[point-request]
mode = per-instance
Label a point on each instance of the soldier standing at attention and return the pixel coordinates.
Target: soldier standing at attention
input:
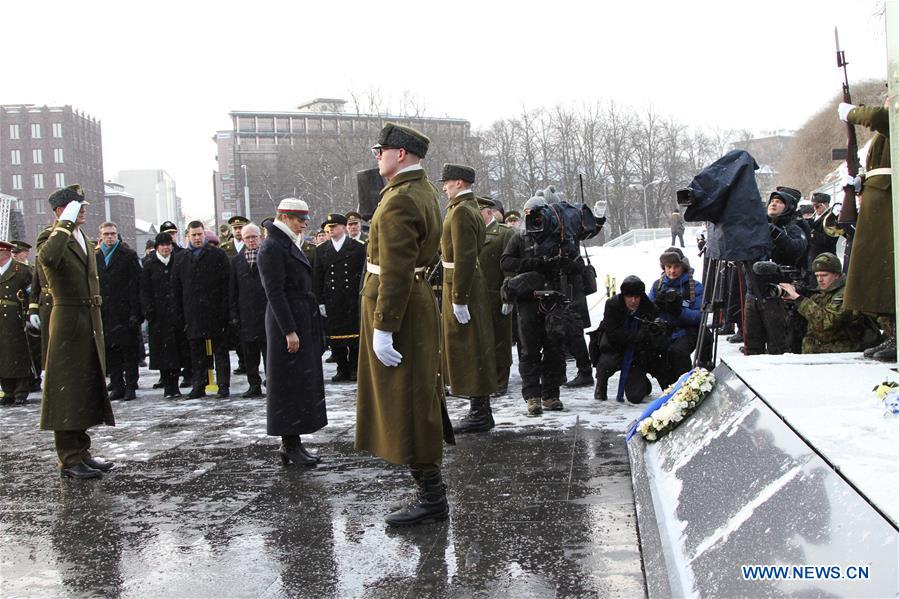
(469, 354)
(16, 373)
(400, 410)
(233, 245)
(354, 227)
(75, 396)
(497, 237)
(339, 263)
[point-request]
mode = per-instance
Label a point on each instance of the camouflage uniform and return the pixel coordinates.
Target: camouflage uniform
(831, 327)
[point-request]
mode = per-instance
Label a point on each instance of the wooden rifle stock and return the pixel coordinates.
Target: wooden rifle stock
(849, 209)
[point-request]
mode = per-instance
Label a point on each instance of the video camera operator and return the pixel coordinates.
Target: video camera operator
(765, 316)
(630, 338)
(678, 297)
(541, 361)
(832, 328)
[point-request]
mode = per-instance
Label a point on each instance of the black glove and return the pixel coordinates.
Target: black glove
(134, 321)
(775, 231)
(674, 308)
(528, 264)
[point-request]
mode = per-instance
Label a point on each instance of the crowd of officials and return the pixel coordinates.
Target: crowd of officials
(421, 306)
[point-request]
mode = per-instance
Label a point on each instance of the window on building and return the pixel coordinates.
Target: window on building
(60, 179)
(14, 132)
(17, 181)
(38, 181)
(37, 156)
(57, 155)
(15, 157)
(40, 206)
(265, 124)
(35, 130)
(57, 130)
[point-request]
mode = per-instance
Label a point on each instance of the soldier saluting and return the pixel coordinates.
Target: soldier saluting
(75, 397)
(400, 410)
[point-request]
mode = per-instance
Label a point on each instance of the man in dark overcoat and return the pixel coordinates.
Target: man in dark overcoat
(400, 407)
(468, 349)
(39, 307)
(74, 397)
(295, 386)
(339, 263)
(168, 343)
(119, 270)
(16, 370)
(200, 286)
(820, 241)
(248, 306)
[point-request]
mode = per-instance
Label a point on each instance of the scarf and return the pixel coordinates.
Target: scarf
(108, 251)
(164, 260)
(250, 256)
(630, 325)
(196, 251)
(297, 240)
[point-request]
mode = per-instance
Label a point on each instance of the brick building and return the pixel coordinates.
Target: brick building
(43, 148)
(314, 154)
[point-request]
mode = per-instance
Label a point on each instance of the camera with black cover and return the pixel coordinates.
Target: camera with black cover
(772, 274)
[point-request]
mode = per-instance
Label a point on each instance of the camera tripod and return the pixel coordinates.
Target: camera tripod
(715, 300)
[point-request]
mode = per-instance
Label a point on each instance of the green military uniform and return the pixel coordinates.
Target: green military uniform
(832, 327)
(870, 280)
(497, 236)
(309, 249)
(16, 373)
(41, 302)
(400, 411)
(469, 356)
(74, 397)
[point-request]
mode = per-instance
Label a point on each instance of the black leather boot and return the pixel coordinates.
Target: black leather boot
(601, 391)
(80, 470)
(116, 394)
(479, 418)
(253, 391)
(99, 464)
(292, 450)
(584, 378)
(431, 505)
(411, 498)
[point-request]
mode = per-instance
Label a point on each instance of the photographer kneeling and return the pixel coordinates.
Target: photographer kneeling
(678, 297)
(628, 339)
(831, 327)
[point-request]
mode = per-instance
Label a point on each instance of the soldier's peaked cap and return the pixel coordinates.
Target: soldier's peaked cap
(827, 262)
(61, 197)
(353, 217)
(399, 136)
(451, 172)
(486, 202)
(167, 226)
(21, 246)
(238, 220)
(334, 218)
(513, 215)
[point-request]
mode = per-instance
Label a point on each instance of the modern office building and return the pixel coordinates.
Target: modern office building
(155, 196)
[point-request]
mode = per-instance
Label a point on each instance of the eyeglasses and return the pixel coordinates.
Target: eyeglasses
(376, 151)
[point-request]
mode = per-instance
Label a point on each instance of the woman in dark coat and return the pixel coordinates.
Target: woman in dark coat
(168, 343)
(294, 335)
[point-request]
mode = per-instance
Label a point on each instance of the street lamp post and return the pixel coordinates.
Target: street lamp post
(644, 187)
(246, 191)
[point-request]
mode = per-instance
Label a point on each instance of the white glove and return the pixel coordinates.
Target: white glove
(461, 313)
(843, 110)
(506, 309)
(35, 321)
(322, 310)
(855, 182)
(382, 344)
(70, 212)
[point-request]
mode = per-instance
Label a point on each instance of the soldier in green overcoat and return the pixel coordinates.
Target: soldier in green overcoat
(234, 243)
(832, 327)
(870, 284)
(400, 408)
(16, 371)
(497, 236)
(74, 397)
(469, 360)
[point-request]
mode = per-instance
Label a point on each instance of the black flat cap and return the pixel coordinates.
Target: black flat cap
(398, 136)
(451, 172)
(61, 197)
(334, 218)
(163, 239)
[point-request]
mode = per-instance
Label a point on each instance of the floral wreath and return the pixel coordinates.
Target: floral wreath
(677, 402)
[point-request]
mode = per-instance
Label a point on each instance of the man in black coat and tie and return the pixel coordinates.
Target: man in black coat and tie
(200, 286)
(119, 270)
(339, 263)
(248, 306)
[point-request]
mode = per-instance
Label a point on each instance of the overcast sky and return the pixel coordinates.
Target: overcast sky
(162, 76)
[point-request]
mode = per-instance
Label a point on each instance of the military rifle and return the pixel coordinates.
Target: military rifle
(849, 210)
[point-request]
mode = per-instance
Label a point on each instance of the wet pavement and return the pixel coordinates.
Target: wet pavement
(200, 506)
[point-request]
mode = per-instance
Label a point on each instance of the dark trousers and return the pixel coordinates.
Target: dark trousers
(346, 354)
(578, 348)
(72, 447)
(676, 360)
(636, 387)
(541, 361)
(17, 388)
(251, 351)
(765, 325)
(122, 364)
(201, 362)
(677, 235)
